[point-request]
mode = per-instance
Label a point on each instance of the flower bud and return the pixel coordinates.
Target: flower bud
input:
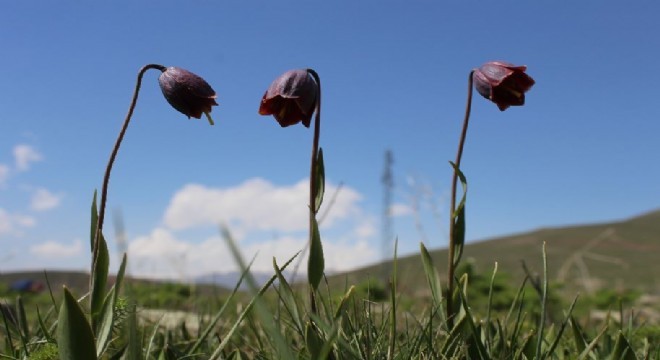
(291, 98)
(187, 92)
(502, 83)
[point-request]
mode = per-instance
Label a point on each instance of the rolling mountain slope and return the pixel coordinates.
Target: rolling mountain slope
(623, 254)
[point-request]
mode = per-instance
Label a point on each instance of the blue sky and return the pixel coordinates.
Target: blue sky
(394, 75)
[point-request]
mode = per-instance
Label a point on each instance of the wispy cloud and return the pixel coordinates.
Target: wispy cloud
(50, 249)
(25, 155)
(4, 174)
(162, 255)
(13, 223)
(400, 210)
(42, 200)
(255, 204)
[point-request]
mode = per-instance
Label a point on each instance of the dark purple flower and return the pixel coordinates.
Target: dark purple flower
(291, 98)
(502, 83)
(187, 92)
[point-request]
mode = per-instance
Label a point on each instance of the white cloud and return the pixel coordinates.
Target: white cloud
(256, 204)
(53, 249)
(43, 199)
(4, 173)
(162, 255)
(264, 218)
(12, 223)
(24, 155)
(365, 229)
(400, 210)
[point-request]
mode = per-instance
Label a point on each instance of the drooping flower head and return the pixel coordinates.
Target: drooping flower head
(291, 98)
(502, 83)
(187, 92)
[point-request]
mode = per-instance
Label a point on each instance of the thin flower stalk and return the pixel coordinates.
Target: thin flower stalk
(452, 205)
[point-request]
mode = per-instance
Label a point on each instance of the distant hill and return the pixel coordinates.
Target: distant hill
(230, 279)
(79, 281)
(622, 254)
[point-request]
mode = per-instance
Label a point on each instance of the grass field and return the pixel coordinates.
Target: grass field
(618, 283)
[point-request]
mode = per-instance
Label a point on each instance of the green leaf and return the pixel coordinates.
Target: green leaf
(316, 264)
(95, 218)
(319, 187)
(459, 234)
(313, 340)
(75, 340)
(134, 348)
(99, 282)
(459, 218)
(107, 316)
(622, 349)
(432, 276)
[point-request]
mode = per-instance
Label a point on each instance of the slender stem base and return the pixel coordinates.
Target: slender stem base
(313, 174)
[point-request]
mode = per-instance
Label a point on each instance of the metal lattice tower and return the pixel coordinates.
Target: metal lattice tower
(387, 233)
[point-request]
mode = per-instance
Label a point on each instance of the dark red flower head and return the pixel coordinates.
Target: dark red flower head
(187, 92)
(502, 83)
(291, 98)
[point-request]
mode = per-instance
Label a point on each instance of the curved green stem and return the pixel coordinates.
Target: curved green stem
(459, 154)
(113, 155)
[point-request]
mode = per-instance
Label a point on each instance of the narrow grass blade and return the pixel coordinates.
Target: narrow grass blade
(578, 336)
(476, 348)
(42, 326)
(277, 337)
(342, 308)
(544, 303)
(561, 329)
(288, 298)
(147, 354)
(23, 325)
(453, 340)
(75, 340)
(583, 355)
(393, 305)
(211, 326)
(490, 303)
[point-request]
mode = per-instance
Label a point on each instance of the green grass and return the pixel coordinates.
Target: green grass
(503, 314)
(617, 255)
